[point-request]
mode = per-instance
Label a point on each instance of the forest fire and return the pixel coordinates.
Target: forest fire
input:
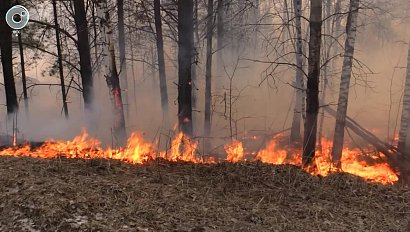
(372, 167)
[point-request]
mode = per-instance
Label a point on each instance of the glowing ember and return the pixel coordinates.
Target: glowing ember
(372, 167)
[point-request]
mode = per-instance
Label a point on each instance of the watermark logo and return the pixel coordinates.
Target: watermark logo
(17, 17)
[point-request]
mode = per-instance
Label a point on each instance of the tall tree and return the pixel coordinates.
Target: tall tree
(195, 42)
(84, 51)
(312, 91)
(23, 73)
(220, 42)
(7, 59)
(405, 116)
(60, 59)
(185, 47)
(351, 29)
(161, 62)
(325, 74)
(110, 71)
(295, 133)
(123, 61)
(208, 68)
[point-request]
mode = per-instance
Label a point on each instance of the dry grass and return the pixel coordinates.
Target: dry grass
(101, 195)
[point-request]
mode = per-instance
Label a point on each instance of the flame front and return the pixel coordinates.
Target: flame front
(370, 166)
(373, 168)
(234, 151)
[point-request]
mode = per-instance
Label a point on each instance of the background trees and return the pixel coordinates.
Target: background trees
(146, 52)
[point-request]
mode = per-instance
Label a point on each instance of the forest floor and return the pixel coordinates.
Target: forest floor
(102, 195)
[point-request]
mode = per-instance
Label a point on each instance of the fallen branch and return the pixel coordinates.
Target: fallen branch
(398, 161)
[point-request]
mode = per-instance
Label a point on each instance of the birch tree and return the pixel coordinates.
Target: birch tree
(351, 29)
(295, 135)
(110, 70)
(185, 47)
(312, 91)
(220, 30)
(208, 68)
(123, 62)
(405, 116)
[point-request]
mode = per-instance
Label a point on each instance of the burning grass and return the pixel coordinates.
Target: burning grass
(106, 195)
(372, 166)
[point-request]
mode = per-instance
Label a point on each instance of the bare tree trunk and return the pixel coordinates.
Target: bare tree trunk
(285, 21)
(208, 71)
(312, 94)
(338, 9)
(123, 61)
(60, 60)
(23, 74)
(161, 62)
(6, 59)
(96, 47)
(295, 134)
(351, 28)
(185, 47)
(220, 42)
(195, 41)
(111, 74)
(327, 52)
(255, 19)
(405, 116)
(84, 52)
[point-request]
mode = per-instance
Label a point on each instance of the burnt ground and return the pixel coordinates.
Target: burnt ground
(101, 195)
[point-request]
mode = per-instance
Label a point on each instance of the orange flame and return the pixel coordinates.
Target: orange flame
(371, 166)
(374, 168)
(234, 151)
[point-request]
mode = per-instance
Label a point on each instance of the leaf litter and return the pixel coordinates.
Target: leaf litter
(104, 195)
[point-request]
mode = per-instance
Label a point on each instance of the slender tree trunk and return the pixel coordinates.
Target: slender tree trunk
(285, 19)
(351, 28)
(84, 52)
(208, 67)
(6, 59)
(161, 62)
(152, 66)
(312, 94)
(123, 61)
(23, 74)
(338, 10)
(111, 73)
(220, 42)
(195, 40)
(405, 116)
(255, 19)
(185, 47)
(325, 83)
(295, 133)
(60, 60)
(96, 45)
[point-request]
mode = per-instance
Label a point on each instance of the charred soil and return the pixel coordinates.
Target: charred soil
(103, 195)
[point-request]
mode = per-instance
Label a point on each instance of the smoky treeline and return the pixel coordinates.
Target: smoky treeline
(216, 70)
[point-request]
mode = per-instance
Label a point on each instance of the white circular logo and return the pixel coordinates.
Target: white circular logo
(17, 17)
